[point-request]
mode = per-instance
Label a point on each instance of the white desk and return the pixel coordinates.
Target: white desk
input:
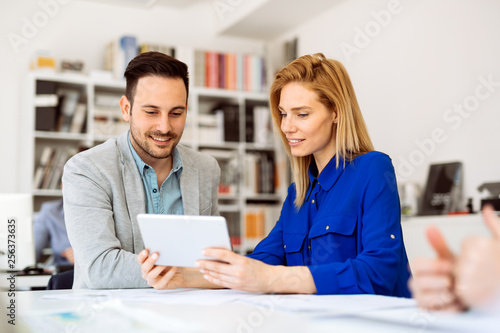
(191, 310)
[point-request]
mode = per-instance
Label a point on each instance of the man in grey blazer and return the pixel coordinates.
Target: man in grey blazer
(142, 171)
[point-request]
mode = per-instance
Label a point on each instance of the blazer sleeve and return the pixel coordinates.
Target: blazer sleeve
(100, 260)
(215, 176)
(380, 266)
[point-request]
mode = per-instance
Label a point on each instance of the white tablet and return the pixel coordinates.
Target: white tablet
(179, 239)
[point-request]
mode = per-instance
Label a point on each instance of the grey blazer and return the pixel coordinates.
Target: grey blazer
(103, 193)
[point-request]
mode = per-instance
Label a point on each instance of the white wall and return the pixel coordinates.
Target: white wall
(418, 63)
(80, 30)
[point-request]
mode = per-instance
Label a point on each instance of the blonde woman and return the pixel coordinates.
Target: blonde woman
(339, 231)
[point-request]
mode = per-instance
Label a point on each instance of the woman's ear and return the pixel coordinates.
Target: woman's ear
(335, 115)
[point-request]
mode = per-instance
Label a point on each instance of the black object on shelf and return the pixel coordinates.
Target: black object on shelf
(493, 198)
(46, 119)
(231, 121)
(443, 190)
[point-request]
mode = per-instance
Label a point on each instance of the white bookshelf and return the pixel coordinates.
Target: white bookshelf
(201, 101)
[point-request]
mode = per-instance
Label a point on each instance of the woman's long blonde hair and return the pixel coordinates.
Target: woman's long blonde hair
(329, 80)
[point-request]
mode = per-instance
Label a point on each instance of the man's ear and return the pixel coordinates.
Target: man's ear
(125, 107)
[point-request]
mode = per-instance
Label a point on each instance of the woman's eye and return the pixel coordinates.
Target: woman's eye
(303, 115)
(282, 115)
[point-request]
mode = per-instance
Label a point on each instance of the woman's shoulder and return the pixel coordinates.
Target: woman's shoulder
(372, 156)
(374, 160)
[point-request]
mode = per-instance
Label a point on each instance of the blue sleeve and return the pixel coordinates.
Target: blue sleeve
(41, 233)
(380, 266)
(270, 249)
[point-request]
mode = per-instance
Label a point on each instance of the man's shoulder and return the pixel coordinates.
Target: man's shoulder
(104, 153)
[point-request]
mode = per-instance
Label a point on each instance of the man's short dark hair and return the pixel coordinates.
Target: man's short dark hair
(154, 64)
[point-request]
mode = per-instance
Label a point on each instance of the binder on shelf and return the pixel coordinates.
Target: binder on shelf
(46, 119)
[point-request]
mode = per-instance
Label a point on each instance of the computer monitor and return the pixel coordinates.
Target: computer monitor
(17, 249)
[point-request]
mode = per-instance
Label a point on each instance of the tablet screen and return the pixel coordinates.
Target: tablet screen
(179, 239)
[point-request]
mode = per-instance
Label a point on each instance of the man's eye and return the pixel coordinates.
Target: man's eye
(150, 112)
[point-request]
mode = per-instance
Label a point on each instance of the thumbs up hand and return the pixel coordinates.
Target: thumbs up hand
(477, 267)
(432, 283)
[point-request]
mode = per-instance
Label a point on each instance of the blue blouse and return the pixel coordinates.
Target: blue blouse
(348, 231)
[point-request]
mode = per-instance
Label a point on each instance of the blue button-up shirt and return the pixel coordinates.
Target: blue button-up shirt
(168, 198)
(348, 231)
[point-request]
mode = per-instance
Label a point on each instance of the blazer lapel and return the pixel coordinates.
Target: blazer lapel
(134, 191)
(189, 186)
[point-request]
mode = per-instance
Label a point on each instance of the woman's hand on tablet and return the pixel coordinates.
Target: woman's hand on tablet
(236, 271)
(239, 272)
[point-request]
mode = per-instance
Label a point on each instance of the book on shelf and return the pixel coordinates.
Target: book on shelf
(259, 176)
(118, 54)
(229, 71)
(69, 99)
(43, 164)
(259, 220)
(50, 168)
(228, 122)
(209, 129)
(148, 47)
(233, 227)
(108, 119)
(259, 127)
(78, 121)
(229, 166)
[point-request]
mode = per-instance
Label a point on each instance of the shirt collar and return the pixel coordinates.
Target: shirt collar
(176, 159)
(330, 173)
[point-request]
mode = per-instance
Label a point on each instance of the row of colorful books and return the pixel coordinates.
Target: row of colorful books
(259, 220)
(231, 71)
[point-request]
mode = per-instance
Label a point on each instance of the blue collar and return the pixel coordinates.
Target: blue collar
(330, 173)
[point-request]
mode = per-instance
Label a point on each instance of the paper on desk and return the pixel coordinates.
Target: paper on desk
(329, 304)
(111, 316)
(436, 321)
(177, 296)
